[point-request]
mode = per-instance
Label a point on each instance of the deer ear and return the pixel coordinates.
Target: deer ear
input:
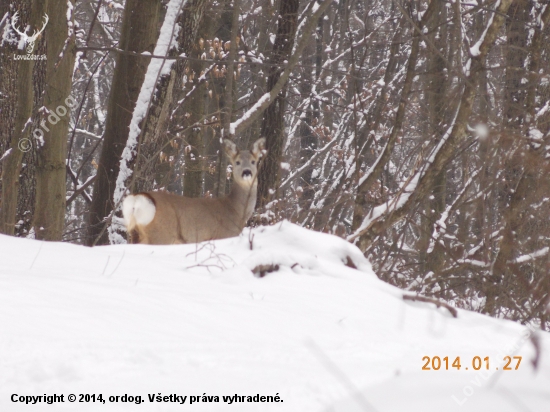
(258, 148)
(230, 148)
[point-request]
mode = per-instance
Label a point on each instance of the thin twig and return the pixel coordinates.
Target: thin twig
(437, 302)
(37, 253)
(118, 264)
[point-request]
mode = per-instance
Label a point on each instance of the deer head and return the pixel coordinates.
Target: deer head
(245, 163)
(25, 38)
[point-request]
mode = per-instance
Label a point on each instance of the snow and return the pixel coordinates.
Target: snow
(86, 182)
(188, 320)
(6, 154)
(474, 50)
(89, 134)
(315, 7)
(70, 29)
(536, 134)
(473, 262)
(103, 17)
(531, 256)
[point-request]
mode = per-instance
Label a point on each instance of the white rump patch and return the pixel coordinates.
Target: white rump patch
(139, 209)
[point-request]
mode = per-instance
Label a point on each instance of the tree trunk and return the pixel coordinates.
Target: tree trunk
(15, 110)
(273, 121)
(138, 34)
(435, 89)
(26, 203)
(49, 216)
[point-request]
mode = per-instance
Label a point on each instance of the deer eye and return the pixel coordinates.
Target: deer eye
(238, 162)
(253, 162)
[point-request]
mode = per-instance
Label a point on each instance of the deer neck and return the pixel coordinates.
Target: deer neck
(243, 199)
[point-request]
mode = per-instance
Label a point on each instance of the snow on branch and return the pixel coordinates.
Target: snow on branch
(474, 50)
(531, 256)
(440, 226)
(420, 184)
(70, 32)
(156, 68)
(5, 155)
(251, 115)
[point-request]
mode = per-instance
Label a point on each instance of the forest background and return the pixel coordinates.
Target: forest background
(418, 130)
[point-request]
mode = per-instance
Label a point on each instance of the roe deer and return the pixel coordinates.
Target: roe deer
(161, 218)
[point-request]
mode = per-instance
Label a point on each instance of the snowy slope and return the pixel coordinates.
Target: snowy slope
(189, 320)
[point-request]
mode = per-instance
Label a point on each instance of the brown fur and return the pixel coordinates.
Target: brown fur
(181, 219)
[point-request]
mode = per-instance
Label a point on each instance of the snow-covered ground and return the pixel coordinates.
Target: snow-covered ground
(189, 320)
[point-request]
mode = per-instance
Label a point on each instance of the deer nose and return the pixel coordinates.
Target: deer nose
(247, 174)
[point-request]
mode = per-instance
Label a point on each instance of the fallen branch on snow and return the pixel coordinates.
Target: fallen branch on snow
(438, 303)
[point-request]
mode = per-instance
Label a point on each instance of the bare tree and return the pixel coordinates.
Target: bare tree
(16, 105)
(138, 35)
(273, 119)
(49, 214)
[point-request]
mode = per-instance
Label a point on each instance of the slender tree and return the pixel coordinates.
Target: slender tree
(15, 107)
(49, 216)
(138, 35)
(273, 120)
